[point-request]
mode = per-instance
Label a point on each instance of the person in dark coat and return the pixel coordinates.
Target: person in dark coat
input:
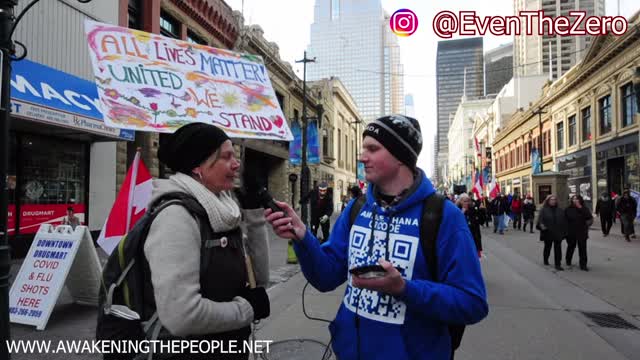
(627, 207)
(321, 204)
(484, 212)
(553, 226)
(499, 208)
(474, 219)
(528, 213)
(579, 219)
(607, 211)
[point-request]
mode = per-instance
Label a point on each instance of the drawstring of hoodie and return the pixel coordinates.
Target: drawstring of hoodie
(387, 242)
(387, 233)
(386, 257)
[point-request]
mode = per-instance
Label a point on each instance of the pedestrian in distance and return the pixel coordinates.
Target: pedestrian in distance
(216, 305)
(344, 200)
(402, 312)
(474, 218)
(516, 211)
(500, 207)
(528, 213)
(552, 224)
(71, 219)
(488, 214)
(606, 209)
(354, 192)
(627, 207)
(579, 219)
(321, 204)
(482, 208)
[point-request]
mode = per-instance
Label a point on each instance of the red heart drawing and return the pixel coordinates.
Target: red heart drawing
(278, 121)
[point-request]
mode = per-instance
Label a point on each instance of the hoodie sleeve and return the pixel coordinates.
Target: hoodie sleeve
(460, 297)
(325, 266)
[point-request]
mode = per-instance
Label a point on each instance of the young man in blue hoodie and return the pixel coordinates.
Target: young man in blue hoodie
(402, 315)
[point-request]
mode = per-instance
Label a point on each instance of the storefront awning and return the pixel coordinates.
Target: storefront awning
(46, 95)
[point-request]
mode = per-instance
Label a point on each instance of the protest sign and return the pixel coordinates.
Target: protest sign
(153, 83)
(51, 262)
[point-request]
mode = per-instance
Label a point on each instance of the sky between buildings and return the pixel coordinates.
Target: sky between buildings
(287, 23)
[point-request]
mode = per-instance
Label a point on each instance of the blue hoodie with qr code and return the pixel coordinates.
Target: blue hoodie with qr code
(414, 324)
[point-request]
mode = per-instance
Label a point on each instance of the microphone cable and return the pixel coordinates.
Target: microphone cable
(327, 351)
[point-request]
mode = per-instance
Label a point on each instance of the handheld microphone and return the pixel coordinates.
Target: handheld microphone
(266, 200)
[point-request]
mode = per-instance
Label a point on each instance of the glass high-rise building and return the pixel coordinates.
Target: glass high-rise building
(531, 52)
(459, 71)
(498, 68)
(351, 39)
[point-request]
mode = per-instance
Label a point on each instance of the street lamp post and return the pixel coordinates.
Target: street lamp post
(539, 112)
(8, 24)
(357, 122)
(304, 171)
(7, 48)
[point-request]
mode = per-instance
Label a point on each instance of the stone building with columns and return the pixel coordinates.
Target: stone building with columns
(589, 119)
(340, 137)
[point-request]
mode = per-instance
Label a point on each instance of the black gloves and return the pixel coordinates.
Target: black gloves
(248, 194)
(259, 301)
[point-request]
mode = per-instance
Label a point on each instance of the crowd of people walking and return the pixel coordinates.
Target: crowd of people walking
(554, 223)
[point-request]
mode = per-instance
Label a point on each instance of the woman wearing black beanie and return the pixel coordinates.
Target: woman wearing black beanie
(197, 263)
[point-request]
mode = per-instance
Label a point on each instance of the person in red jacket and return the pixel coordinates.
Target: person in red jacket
(516, 210)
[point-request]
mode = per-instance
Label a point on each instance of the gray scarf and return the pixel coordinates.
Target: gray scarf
(222, 210)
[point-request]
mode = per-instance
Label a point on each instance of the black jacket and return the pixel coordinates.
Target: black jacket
(553, 223)
(474, 218)
(605, 207)
(319, 208)
(627, 206)
(499, 206)
(578, 222)
(528, 210)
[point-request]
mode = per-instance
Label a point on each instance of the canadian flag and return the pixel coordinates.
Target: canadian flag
(478, 151)
(130, 205)
(477, 187)
(494, 189)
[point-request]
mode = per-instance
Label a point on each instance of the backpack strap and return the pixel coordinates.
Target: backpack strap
(429, 229)
(187, 201)
(355, 209)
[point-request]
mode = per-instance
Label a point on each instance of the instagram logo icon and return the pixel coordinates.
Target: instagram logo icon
(403, 22)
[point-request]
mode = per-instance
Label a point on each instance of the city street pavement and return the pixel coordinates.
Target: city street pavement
(535, 312)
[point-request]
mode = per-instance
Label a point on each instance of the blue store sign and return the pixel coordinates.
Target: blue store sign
(44, 94)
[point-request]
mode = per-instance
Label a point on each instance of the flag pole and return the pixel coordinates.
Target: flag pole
(132, 186)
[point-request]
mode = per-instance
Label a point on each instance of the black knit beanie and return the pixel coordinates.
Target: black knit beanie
(190, 145)
(400, 135)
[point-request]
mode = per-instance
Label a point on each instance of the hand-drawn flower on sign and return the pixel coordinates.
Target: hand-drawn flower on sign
(230, 99)
(191, 112)
(112, 93)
